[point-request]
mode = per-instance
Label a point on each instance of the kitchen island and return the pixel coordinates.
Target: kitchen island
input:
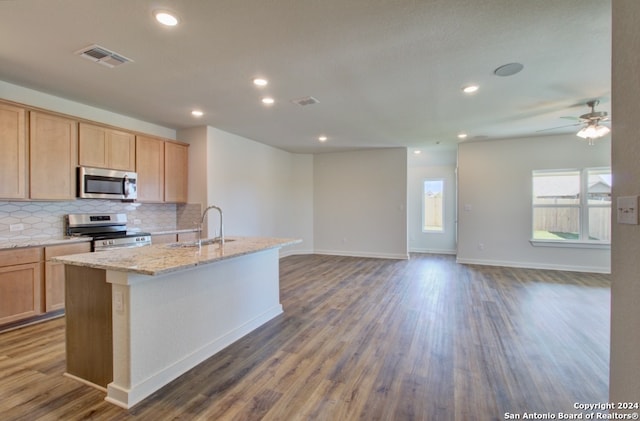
(139, 318)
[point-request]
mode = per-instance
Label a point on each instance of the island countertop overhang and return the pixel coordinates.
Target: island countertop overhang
(165, 258)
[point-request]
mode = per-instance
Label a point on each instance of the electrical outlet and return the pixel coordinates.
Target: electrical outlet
(16, 227)
(118, 301)
(137, 222)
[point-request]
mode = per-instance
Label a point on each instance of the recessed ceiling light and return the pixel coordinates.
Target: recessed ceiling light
(417, 152)
(322, 138)
(260, 81)
(197, 113)
(462, 135)
(166, 18)
(469, 89)
(268, 100)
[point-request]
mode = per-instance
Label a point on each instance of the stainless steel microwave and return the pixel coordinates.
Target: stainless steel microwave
(99, 183)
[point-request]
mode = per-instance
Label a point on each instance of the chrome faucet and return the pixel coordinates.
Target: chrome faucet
(204, 214)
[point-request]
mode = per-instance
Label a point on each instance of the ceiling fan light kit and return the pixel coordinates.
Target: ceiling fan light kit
(593, 130)
(590, 122)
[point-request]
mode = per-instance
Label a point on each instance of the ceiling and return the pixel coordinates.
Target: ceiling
(386, 73)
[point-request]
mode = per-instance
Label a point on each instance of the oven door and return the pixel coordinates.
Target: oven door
(98, 183)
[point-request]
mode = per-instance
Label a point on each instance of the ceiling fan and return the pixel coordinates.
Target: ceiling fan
(592, 129)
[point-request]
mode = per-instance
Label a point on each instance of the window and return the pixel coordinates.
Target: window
(572, 205)
(433, 205)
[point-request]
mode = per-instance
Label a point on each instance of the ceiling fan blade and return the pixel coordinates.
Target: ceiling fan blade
(571, 118)
(559, 127)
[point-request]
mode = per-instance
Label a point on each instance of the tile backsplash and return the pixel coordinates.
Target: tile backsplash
(43, 220)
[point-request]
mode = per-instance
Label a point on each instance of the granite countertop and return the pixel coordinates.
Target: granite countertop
(12, 243)
(35, 242)
(164, 258)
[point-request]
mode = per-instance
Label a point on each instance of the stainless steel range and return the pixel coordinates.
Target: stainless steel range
(109, 231)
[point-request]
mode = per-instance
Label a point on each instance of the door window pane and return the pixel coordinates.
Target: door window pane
(433, 206)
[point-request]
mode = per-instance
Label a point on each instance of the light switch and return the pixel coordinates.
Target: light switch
(627, 207)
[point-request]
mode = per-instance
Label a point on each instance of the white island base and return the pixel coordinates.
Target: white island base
(164, 325)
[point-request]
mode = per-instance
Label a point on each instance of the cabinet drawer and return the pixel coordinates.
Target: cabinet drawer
(20, 256)
(65, 249)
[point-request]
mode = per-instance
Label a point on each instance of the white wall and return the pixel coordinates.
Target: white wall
(625, 284)
(494, 201)
(432, 164)
(262, 190)
(360, 203)
(37, 99)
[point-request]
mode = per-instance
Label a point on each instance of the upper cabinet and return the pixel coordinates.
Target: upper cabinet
(106, 148)
(176, 157)
(162, 170)
(40, 152)
(13, 159)
(53, 146)
(150, 169)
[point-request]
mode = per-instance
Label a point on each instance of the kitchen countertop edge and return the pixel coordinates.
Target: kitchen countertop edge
(172, 231)
(9, 244)
(165, 258)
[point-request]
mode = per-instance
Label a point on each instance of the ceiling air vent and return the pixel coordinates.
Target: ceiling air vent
(307, 100)
(103, 56)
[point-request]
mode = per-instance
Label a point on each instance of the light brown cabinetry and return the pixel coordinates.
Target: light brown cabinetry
(150, 169)
(54, 273)
(13, 159)
(176, 157)
(20, 284)
(53, 145)
(89, 343)
(103, 147)
(41, 151)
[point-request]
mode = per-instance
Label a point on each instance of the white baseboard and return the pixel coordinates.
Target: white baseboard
(284, 252)
(503, 263)
(363, 254)
(432, 251)
(529, 265)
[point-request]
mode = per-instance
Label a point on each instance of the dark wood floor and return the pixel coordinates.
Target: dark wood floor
(370, 339)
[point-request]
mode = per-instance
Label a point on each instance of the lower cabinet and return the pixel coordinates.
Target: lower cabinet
(30, 284)
(54, 273)
(20, 284)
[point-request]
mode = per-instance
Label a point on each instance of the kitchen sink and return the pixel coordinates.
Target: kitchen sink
(205, 242)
